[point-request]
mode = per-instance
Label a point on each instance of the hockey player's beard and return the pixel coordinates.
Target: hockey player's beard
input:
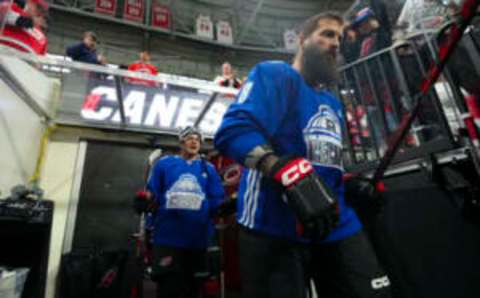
(319, 66)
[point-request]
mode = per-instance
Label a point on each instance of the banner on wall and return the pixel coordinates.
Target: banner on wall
(134, 10)
(106, 6)
(224, 32)
(160, 109)
(161, 16)
(290, 38)
(204, 27)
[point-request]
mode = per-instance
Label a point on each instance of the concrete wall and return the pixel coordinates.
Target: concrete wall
(59, 175)
(20, 132)
(26, 98)
(61, 179)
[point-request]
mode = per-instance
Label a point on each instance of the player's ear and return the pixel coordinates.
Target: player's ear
(301, 40)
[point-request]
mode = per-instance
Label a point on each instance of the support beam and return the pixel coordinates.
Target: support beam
(251, 20)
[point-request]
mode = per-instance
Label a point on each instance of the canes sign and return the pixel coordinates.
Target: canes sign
(155, 108)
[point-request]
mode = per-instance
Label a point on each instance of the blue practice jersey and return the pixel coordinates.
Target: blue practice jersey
(277, 107)
(187, 192)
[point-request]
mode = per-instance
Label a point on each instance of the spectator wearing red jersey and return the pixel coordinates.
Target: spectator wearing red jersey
(24, 26)
(228, 79)
(143, 65)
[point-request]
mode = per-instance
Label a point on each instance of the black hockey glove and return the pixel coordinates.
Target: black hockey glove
(312, 201)
(24, 22)
(227, 207)
(141, 202)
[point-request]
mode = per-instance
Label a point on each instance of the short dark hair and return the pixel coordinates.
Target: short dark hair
(91, 34)
(311, 24)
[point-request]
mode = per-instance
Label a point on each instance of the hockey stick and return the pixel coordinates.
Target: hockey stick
(467, 13)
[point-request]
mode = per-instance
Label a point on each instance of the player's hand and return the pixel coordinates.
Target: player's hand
(102, 59)
(361, 191)
(313, 202)
(24, 22)
(141, 202)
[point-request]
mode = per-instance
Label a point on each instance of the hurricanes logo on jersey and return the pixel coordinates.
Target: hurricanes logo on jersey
(323, 138)
(186, 193)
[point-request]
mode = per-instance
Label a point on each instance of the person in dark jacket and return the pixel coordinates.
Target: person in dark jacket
(85, 51)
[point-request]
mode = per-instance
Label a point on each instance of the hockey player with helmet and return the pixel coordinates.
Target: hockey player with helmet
(188, 192)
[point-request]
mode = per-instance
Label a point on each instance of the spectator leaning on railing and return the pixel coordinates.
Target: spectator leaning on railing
(143, 65)
(86, 51)
(24, 25)
(374, 35)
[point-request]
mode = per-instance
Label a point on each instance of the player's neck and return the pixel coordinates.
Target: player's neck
(297, 63)
(188, 156)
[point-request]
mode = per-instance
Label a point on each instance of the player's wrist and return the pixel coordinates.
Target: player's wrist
(266, 164)
(257, 156)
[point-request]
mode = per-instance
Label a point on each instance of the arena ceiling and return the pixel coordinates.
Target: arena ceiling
(258, 25)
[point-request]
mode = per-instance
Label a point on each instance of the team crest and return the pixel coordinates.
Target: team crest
(185, 193)
(323, 138)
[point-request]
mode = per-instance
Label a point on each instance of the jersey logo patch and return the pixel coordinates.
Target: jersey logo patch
(245, 92)
(323, 138)
(186, 194)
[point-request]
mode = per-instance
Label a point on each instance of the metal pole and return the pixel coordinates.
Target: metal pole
(472, 51)
(357, 122)
(401, 80)
(369, 120)
(345, 128)
(432, 94)
(119, 91)
(379, 104)
(389, 88)
(205, 109)
(148, 12)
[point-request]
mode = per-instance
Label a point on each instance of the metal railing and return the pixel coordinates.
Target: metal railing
(377, 92)
(380, 89)
(104, 97)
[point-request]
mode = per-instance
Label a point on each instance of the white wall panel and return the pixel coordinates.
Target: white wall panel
(60, 171)
(20, 132)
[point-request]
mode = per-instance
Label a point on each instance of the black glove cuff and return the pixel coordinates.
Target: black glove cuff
(282, 162)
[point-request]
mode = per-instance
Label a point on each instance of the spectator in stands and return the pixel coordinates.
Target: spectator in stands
(453, 9)
(143, 65)
(24, 24)
(374, 36)
(86, 51)
(350, 46)
(228, 79)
